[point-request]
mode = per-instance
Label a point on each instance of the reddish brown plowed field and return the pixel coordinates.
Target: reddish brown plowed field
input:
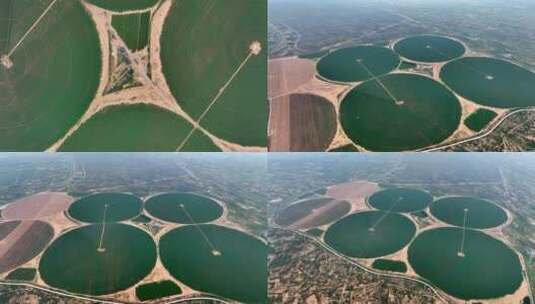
(7, 227)
(24, 243)
(301, 122)
(38, 205)
(287, 74)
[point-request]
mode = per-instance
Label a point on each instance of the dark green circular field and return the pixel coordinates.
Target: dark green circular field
(74, 263)
(182, 207)
(204, 42)
(480, 213)
(357, 63)
(490, 82)
(370, 234)
(111, 207)
(136, 128)
(400, 200)
(489, 268)
(428, 48)
(228, 263)
(399, 112)
(54, 77)
(304, 214)
(123, 5)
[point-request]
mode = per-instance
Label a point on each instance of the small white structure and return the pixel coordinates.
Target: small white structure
(6, 61)
(255, 47)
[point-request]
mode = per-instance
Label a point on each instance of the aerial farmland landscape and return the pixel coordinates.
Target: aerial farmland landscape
(401, 228)
(141, 75)
(99, 229)
(409, 75)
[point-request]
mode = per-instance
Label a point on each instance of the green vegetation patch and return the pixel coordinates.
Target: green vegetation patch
(311, 213)
(22, 274)
(226, 262)
(157, 290)
(370, 234)
(123, 5)
(74, 263)
(405, 65)
(390, 265)
(428, 48)
(204, 42)
(479, 119)
(490, 82)
(357, 63)
(478, 213)
(489, 269)
(54, 77)
(136, 128)
(184, 208)
(399, 112)
(400, 200)
(109, 207)
(133, 29)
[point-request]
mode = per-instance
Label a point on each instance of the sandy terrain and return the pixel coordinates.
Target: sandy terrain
(354, 192)
(38, 206)
(285, 75)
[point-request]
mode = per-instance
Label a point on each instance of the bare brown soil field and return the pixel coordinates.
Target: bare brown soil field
(37, 206)
(24, 243)
(301, 122)
(352, 191)
(286, 75)
(326, 214)
(6, 228)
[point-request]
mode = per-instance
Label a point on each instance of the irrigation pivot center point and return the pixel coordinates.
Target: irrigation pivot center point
(6, 61)
(216, 252)
(255, 47)
(489, 77)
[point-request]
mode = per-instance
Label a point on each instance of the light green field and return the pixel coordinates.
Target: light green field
(136, 128)
(44, 93)
(202, 44)
(133, 29)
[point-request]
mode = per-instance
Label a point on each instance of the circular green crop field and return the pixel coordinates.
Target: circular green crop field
(203, 44)
(370, 234)
(111, 207)
(399, 112)
(489, 268)
(74, 262)
(357, 63)
(182, 207)
(400, 200)
(428, 48)
(303, 214)
(136, 128)
(54, 77)
(480, 213)
(490, 82)
(123, 5)
(224, 261)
